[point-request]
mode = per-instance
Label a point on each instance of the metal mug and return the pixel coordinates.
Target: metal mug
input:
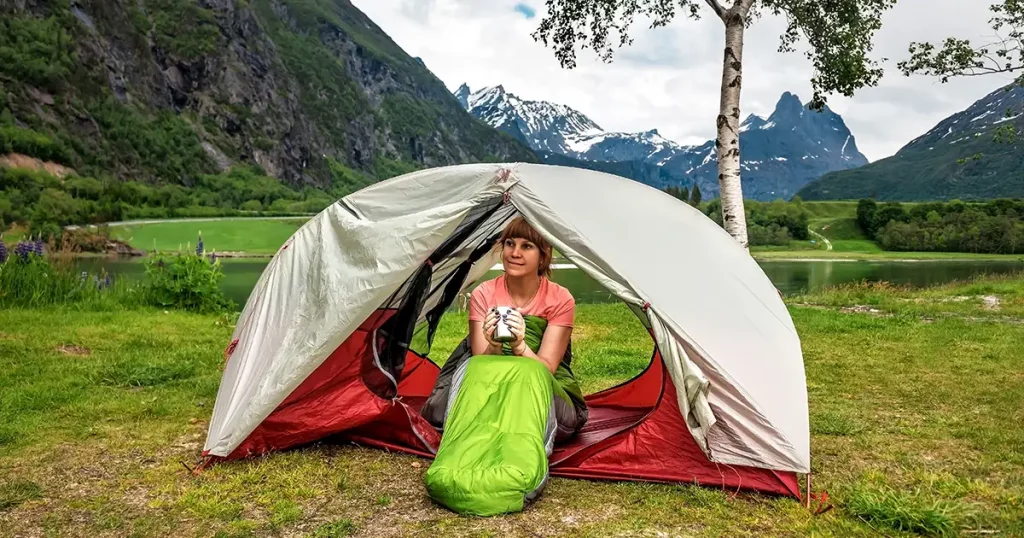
(502, 332)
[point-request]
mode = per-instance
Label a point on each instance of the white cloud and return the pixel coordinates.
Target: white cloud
(669, 77)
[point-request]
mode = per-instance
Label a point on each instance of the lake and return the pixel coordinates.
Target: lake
(790, 277)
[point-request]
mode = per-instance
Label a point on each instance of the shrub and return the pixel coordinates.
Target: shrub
(185, 281)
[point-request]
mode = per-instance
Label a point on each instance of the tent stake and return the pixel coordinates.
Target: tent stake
(808, 499)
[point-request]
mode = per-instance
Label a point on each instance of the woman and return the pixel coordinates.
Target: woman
(541, 323)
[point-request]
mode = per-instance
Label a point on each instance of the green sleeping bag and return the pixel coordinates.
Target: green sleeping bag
(499, 431)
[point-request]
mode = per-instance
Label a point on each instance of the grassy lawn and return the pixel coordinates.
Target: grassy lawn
(254, 236)
(916, 404)
(834, 220)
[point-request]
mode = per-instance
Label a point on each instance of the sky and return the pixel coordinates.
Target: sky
(669, 78)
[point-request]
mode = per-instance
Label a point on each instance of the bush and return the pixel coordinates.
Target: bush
(185, 281)
(38, 51)
(14, 139)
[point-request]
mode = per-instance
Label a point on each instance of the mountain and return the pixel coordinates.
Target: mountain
(167, 90)
(928, 167)
(780, 154)
(552, 128)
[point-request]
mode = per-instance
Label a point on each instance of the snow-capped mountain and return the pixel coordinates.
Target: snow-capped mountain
(997, 108)
(553, 128)
(781, 153)
(941, 164)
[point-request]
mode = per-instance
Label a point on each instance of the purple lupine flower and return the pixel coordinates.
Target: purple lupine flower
(37, 247)
(23, 249)
(213, 257)
(106, 281)
(3, 252)
(199, 245)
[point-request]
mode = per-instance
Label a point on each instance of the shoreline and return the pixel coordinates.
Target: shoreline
(562, 263)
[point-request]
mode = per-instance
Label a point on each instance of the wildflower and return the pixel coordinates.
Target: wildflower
(23, 249)
(213, 257)
(199, 245)
(37, 247)
(3, 252)
(85, 276)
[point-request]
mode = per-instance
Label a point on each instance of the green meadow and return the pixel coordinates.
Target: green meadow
(249, 235)
(916, 401)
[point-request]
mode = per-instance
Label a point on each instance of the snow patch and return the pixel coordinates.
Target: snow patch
(1008, 118)
(982, 116)
(583, 144)
(768, 125)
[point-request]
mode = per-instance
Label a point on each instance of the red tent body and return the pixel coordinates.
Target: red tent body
(635, 430)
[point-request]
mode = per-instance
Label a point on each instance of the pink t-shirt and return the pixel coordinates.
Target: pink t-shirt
(552, 302)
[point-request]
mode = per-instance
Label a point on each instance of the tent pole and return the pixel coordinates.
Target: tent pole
(808, 496)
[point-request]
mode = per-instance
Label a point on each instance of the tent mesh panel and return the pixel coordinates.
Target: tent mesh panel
(422, 299)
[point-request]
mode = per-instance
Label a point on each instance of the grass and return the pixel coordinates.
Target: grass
(904, 512)
(831, 210)
(252, 236)
(914, 418)
(256, 236)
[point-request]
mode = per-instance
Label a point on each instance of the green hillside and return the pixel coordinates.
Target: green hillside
(164, 91)
(971, 155)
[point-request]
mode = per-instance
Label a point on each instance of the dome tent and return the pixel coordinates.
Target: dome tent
(335, 338)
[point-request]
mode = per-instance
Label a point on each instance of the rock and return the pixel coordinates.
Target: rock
(990, 302)
(41, 97)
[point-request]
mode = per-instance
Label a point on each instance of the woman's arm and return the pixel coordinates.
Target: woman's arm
(552, 347)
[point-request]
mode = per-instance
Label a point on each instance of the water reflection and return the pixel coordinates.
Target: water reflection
(791, 277)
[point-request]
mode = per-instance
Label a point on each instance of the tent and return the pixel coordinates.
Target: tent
(335, 339)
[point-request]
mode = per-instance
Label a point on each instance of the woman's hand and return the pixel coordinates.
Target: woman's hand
(489, 326)
(517, 326)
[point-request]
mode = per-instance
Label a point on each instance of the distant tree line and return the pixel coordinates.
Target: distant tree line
(994, 227)
(46, 203)
(769, 223)
(692, 197)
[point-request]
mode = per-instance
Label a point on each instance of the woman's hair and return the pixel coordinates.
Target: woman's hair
(520, 229)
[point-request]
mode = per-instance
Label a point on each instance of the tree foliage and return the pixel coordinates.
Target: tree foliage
(769, 223)
(994, 227)
(958, 57)
(838, 32)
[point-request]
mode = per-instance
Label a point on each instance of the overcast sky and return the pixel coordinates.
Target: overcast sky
(669, 79)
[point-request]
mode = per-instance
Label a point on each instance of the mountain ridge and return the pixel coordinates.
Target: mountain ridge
(778, 156)
(959, 158)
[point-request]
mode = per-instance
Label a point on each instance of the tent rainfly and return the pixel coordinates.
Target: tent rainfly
(335, 338)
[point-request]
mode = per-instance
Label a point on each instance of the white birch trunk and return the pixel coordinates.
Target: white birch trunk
(728, 141)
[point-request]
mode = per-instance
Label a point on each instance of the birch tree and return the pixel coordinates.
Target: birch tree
(837, 35)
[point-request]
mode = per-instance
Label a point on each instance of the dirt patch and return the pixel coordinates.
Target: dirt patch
(77, 351)
(863, 309)
(990, 302)
(17, 160)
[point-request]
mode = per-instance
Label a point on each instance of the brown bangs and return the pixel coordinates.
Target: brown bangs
(520, 229)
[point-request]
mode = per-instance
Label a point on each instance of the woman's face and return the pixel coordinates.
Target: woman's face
(520, 257)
